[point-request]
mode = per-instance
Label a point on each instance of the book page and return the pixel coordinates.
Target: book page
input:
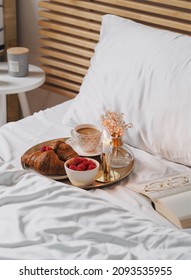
(179, 204)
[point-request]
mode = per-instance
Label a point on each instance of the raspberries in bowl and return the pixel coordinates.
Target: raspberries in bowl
(81, 171)
(81, 164)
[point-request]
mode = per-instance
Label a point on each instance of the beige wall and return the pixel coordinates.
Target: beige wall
(27, 16)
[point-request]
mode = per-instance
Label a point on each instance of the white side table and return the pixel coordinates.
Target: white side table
(19, 85)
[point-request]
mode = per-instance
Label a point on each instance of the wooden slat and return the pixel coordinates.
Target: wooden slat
(59, 90)
(67, 38)
(70, 20)
(65, 75)
(66, 56)
(74, 12)
(63, 83)
(60, 46)
(69, 31)
(63, 65)
(174, 3)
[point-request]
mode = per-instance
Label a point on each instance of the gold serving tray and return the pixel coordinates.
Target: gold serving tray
(123, 172)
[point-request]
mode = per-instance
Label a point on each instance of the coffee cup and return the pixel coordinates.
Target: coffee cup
(87, 136)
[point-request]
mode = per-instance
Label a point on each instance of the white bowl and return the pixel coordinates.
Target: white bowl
(81, 178)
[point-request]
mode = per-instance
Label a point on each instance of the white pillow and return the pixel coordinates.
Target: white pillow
(144, 73)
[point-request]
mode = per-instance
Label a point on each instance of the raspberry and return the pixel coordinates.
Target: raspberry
(73, 167)
(48, 148)
(90, 162)
(91, 166)
(81, 167)
(77, 160)
(85, 164)
(43, 148)
(85, 160)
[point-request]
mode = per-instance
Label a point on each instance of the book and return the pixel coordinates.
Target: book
(171, 197)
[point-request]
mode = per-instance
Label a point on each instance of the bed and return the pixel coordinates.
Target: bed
(143, 72)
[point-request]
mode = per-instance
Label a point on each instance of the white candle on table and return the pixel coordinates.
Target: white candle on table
(105, 157)
(106, 144)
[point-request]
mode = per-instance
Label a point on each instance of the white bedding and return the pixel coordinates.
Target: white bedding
(44, 219)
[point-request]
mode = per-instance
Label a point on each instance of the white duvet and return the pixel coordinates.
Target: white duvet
(44, 219)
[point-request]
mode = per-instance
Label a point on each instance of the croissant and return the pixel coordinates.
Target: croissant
(50, 162)
(63, 150)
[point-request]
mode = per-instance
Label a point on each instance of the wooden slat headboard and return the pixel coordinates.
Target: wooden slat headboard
(69, 31)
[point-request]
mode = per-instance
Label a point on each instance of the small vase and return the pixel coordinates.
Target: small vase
(120, 156)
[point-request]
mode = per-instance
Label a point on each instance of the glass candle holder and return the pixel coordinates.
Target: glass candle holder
(119, 155)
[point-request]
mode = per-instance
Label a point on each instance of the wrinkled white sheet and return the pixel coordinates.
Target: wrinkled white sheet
(44, 219)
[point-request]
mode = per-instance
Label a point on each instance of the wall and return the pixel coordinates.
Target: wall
(27, 29)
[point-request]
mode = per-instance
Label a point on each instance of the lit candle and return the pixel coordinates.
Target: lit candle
(106, 175)
(105, 157)
(106, 144)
